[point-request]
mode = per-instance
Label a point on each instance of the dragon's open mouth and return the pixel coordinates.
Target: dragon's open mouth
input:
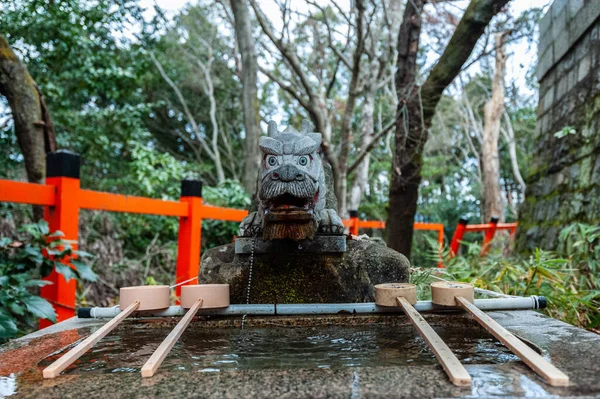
(288, 202)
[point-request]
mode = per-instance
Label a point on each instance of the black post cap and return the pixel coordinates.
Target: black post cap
(494, 220)
(354, 214)
(463, 221)
(63, 163)
(191, 188)
(542, 302)
(84, 313)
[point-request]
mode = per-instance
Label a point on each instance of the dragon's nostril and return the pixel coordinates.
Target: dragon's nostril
(275, 175)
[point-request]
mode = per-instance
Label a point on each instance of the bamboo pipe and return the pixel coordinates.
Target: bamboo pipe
(517, 303)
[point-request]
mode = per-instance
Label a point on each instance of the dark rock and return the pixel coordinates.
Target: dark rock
(304, 277)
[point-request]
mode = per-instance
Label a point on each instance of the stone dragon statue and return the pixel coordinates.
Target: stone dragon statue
(295, 194)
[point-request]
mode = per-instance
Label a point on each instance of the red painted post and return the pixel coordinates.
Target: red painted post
(190, 234)
(458, 235)
(62, 172)
(440, 245)
(354, 224)
(489, 235)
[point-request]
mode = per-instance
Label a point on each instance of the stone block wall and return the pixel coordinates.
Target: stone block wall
(564, 186)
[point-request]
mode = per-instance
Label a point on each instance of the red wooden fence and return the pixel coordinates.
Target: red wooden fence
(63, 197)
(489, 230)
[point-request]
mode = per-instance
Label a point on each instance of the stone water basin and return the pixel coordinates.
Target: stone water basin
(324, 356)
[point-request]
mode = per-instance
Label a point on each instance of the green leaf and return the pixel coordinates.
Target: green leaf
(8, 327)
(85, 272)
(83, 254)
(40, 307)
(66, 271)
(36, 283)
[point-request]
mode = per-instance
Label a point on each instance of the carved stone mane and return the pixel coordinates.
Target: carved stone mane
(292, 191)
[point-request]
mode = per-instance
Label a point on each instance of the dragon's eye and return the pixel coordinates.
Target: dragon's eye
(272, 160)
(303, 160)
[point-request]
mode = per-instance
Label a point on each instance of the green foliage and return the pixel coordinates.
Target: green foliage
(228, 193)
(23, 262)
(567, 279)
(565, 131)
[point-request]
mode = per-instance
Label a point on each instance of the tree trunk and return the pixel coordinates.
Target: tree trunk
(341, 184)
(416, 107)
(490, 159)
(33, 126)
(367, 131)
(250, 103)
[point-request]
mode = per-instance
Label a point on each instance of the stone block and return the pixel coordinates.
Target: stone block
(558, 6)
(562, 87)
(559, 24)
(574, 7)
(595, 179)
(584, 67)
(561, 47)
(584, 19)
(545, 62)
(544, 42)
(582, 48)
(546, 123)
(548, 99)
(572, 79)
(585, 172)
(557, 180)
(546, 23)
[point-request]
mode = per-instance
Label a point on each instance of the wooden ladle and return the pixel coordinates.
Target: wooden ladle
(151, 297)
(447, 293)
(193, 297)
(405, 295)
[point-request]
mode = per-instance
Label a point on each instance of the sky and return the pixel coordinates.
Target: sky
(522, 56)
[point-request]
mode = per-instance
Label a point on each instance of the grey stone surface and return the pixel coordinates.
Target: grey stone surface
(320, 244)
(574, 351)
(303, 277)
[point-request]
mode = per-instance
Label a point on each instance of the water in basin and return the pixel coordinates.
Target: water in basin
(209, 350)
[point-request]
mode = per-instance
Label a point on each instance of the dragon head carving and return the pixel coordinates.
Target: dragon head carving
(292, 190)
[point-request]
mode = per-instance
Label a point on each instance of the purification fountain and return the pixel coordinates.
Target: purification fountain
(294, 238)
(319, 323)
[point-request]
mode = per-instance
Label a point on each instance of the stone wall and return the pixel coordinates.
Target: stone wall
(564, 186)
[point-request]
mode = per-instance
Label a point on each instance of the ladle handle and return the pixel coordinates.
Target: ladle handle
(456, 371)
(71, 356)
(541, 366)
(165, 347)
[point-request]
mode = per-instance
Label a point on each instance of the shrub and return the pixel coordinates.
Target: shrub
(24, 261)
(567, 278)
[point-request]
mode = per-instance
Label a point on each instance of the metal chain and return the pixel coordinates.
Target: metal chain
(249, 277)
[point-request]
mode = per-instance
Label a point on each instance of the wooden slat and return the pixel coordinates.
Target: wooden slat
(128, 203)
(165, 347)
(429, 226)
(541, 366)
(219, 213)
(27, 193)
(454, 369)
(371, 224)
(55, 368)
